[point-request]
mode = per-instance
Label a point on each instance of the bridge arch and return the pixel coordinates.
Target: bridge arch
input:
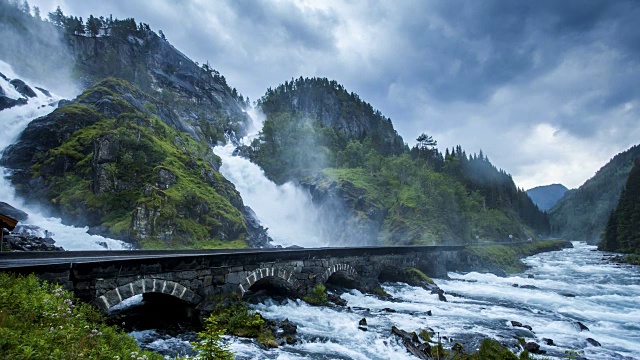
(264, 273)
(143, 286)
(345, 272)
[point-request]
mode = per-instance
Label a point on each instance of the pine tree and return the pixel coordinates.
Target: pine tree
(622, 232)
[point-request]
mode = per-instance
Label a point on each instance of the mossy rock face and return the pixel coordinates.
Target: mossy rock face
(116, 167)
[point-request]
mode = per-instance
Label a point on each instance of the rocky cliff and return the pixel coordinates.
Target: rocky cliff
(205, 105)
(112, 160)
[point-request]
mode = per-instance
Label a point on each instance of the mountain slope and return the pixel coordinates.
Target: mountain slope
(62, 53)
(546, 196)
(371, 188)
(108, 160)
(622, 232)
(582, 214)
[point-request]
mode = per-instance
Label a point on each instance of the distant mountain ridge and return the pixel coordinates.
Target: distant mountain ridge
(582, 214)
(547, 195)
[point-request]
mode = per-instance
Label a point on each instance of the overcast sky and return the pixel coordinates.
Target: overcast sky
(548, 90)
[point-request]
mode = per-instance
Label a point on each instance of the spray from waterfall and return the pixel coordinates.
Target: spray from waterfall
(14, 120)
(286, 210)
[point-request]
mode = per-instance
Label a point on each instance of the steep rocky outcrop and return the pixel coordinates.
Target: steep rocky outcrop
(205, 105)
(112, 160)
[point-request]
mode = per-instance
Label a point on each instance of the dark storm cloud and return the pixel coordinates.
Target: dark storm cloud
(536, 84)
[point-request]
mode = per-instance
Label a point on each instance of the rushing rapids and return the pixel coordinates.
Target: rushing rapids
(559, 290)
(14, 120)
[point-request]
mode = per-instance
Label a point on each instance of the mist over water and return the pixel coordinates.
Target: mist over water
(14, 120)
(286, 210)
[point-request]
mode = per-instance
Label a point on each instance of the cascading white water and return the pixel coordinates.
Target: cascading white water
(565, 287)
(286, 210)
(14, 120)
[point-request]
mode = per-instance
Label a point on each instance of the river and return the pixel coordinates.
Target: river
(571, 285)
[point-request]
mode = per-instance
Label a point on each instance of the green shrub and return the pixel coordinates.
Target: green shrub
(237, 319)
(209, 346)
(380, 292)
(317, 296)
(44, 321)
(416, 275)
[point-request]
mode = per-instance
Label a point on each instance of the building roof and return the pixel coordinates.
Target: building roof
(7, 222)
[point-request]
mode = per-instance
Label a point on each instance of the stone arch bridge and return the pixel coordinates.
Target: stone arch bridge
(106, 278)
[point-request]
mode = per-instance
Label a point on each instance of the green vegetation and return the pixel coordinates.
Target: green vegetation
(622, 233)
(140, 179)
(507, 257)
(319, 133)
(492, 350)
(317, 296)
(43, 321)
(582, 214)
(415, 275)
(233, 315)
(209, 346)
(380, 292)
(425, 335)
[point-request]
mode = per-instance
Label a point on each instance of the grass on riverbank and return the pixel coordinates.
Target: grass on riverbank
(493, 258)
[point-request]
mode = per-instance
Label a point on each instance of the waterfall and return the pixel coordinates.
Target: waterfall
(286, 210)
(13, 121)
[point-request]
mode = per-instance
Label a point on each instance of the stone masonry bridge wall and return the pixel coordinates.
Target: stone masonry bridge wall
(194, 276)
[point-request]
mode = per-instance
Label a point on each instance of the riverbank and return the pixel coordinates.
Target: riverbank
(505, 259)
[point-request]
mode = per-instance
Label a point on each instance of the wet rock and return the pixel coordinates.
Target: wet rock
(530, 276)
(336, 299)
(515, 285)
(593, 342)
(533, 348)
(518, 324)
(362, 324)
(441, 297)
(288, 328)
(18, 242)
(549, 342)
(429, 313)
(568, 295)
(581, 326)
(389, 310)
(528, 287)
(44, 91)
(291, 340)
(412, 343)
(23, 88)
(8, 210)
(272, 344)
(7, 102)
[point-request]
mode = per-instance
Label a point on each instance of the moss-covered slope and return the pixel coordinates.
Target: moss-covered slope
(108, 161)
